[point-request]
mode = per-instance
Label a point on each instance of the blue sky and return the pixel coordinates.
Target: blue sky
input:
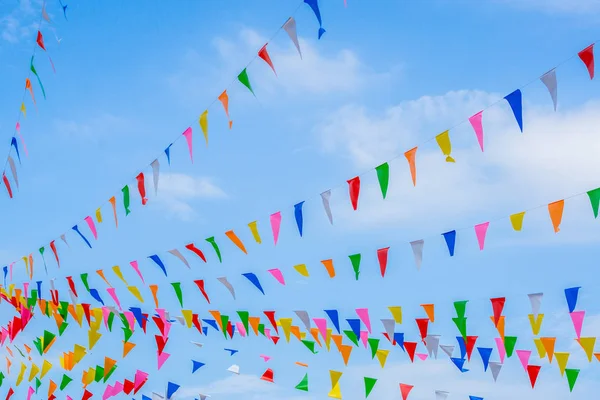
(382, 79)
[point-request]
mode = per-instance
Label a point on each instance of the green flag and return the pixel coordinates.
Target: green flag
(352, 336)
(84, 279)
(261, 329)
(244, 317)
(38, 345)
(110, 319)
(38, 383)
(127, 333)
(374, 345)
(62, 328)
(224, 322)
(64, 382)
(178, 293)
(310, 345)
(355, 259)
(211, 240)
(125, 191)
(509, 344)
(461, 308)
(594, 196)
(303, 385)
(383, 175)
(109, 373)
(1, 378)
(48, 338)
(37, 76)
(99, 373)
(243, 78)
(63, 310)
(369, 385)
(43, 259)
(572, 375)
(461, 324)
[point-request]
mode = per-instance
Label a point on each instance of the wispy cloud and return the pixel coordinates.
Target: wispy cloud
(579, 7)
(177, 192)
(21, 23)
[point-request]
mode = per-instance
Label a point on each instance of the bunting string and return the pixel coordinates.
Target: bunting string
(17, 136)
(383, 170)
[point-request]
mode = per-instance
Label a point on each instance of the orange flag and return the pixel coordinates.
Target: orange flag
(346, 350)
(154, 290)
(556, 212)
(28, 87)
(328, 264)
(411, 158)
(113, 202)
(224, 99)
(236, 240)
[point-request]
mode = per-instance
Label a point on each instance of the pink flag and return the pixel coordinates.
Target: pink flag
(92, 226)
(577, 318)
(134, 265)
(481, 231)
(277, 275)
(240, 328)
(266, 358)
(162, 357)
(364, 337)
(321, 323)
(140, 378)
(105, 314)
(422, 356)
(188, 138)
(524, 357)
(501, 349)
(130, 319)
(268, 333)
(113, 294)
(475, 121)
(30, 391)
(26, 288)
(363, 314)
(275, 224)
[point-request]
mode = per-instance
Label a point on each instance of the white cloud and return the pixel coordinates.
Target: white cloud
(555, 157)
(20, 23)
(176, 191)
(581, 7)
(318, 72)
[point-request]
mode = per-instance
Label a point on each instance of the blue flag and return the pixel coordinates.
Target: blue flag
(252, 278)
(158, 262)
(450, 241)
(298, 215)
(515, 100)
(485, 353)
(571, 295)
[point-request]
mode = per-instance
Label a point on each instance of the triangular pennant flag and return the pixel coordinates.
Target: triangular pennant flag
(572, 375)
(443, 140)
(243, 78)
(298, 216)
(571, 296)
(515, 100)
(325, 197)
(303, 384)
(354, 191)
(587, 56)
(495, 367)
(411, 158)
(369, 385)
(290, 28)
(549, 79)
(405, 390)
(264, 55)
(561, 360)
(236, 240)
(485, 353)
(556, 213)
(533, 372)
(275, 225)
(450, 238)
(314, 5)
(517, 221)
(417, 248)
(383, 176)
(196, 365)
(254, 280)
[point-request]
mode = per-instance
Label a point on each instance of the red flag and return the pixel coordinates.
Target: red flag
(200, 284)
(53, 247)
(10, 393)
(191, 247)
(40, 40)
(142, 187)
(267, 376)
(587, 56)
(128, 386)
(354, 187)
(470, 345)
(264, 54)
(382, 256)
(7, 184)
(87, 395)
(497, 306)
(405, 390)
(410, 348)
(423, 324)
(271, 317)
(161, 342)
(533, 372)
(72, 285)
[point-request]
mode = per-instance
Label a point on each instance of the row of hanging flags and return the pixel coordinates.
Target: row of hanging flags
(354, 185)
(289, 26)
(317, 335)
(14, 145)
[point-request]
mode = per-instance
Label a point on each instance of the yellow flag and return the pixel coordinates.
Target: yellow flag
(24, 110)
(204, 124)
(254, 229)
(34, 370)
(286, 325)
(78, 353)
(396, 313)
(46, 366)
(562, 359)
(20, 377)
(335, 377)
(88, 376)
(93, 337)
(117, 270)
(443, 140)
(517, 221)
(99, 215)
(187, 315)
(536, 323)
(135, 291)
(382, 356)
(587, 344)
(301, 268)
(335, 393)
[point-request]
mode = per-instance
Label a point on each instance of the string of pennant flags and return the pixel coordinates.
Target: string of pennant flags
(360, 329)
(514, 99)
(17, 136)
(289, 27)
